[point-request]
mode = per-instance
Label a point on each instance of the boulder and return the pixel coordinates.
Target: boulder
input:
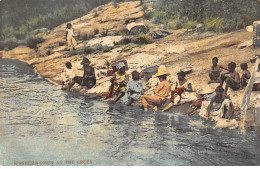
(249, 28)
(245, 44)
(156, 34)
(136, 28)
(109, 41)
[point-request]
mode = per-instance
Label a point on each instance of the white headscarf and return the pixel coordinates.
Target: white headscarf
(120, 65)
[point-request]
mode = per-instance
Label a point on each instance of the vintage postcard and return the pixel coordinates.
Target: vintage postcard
(129, 83)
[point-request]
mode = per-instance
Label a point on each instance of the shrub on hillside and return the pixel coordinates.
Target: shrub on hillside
(142, 39)
(32, 41)
(217, 15)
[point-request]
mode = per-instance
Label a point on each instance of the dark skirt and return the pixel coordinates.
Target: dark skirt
(89, 83)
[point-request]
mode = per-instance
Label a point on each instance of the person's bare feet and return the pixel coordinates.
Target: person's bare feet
(155, 108)
(145, 109)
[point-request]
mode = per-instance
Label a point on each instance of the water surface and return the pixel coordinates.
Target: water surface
(40, 122)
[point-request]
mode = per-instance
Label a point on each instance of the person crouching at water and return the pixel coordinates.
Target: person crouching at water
(183, 89)
(162, 91)
(88, 79)
(220, 106)
(67, 76)
(231, 78)
(134, 89)
(118, 83)
(71, 42)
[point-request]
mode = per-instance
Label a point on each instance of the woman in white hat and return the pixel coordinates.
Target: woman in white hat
(162, 91)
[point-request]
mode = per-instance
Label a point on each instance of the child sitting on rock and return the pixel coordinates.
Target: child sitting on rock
(245, 76)
(67, 76)
(231, 78)
(220, 106)
(215, 71)
(134, 89)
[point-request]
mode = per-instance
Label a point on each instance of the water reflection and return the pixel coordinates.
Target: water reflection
(40, 122)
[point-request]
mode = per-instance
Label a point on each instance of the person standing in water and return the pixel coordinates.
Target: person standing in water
(71, 42)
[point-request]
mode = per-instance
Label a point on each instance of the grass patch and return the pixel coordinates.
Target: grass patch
(142, 39)
(216, 15)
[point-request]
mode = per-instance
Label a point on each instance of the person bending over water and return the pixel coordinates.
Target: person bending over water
(220, 106)
(118, 83)
(183, 89)
(88, 79)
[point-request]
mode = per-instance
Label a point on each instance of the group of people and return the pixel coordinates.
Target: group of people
(129, 90)
(221, 104)
(231, 77)
(88, 79)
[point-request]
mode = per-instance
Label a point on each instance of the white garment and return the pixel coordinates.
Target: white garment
(70, 39)
(185, 97)
(133, 85)
(68, 75)
(217, 110)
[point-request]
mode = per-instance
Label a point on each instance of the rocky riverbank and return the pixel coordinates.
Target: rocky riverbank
(110, 33)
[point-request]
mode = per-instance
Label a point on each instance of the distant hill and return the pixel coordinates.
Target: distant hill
(18, 17)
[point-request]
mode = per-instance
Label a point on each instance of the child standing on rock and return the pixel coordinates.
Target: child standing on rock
(69, 38)
(134, 89)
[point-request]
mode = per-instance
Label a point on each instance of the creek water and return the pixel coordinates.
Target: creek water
(40, 122)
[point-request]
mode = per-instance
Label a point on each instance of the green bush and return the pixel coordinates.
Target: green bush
(18, 18)
(10, 43)
(32, 41)
(159, 17)
(217, 15)
(142, 39)
(215, 24)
